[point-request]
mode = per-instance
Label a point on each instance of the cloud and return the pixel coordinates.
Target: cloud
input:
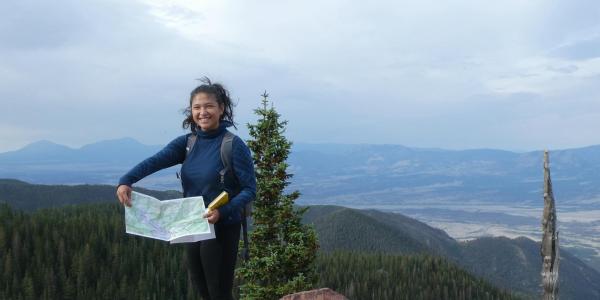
(421, 73)
(548, 76)
(583, 49)
(93, 70)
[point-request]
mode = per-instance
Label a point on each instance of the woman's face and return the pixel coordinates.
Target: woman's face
(206, 111)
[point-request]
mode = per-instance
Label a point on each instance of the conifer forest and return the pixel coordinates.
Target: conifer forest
(83, 252)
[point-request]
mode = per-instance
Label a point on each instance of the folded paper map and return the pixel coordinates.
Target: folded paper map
(177, 221)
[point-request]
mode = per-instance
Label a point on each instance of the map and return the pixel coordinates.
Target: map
(176, 221)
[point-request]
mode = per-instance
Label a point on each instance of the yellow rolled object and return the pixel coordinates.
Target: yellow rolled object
(221, 200)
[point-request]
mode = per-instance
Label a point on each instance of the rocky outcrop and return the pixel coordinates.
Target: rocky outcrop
(320, 294)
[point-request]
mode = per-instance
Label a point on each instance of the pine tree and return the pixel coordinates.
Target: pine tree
(282, 249)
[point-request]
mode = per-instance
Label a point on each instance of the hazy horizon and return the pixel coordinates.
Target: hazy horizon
(76, 147)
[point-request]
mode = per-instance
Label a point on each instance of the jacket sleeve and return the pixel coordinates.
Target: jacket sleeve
(243, 166)
(170, 155)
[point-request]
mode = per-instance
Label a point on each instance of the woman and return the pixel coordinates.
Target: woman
(211, 262)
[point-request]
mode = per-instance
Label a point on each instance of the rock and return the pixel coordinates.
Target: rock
(320, 294)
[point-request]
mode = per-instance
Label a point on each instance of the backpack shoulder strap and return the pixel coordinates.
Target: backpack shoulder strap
(226, 151)
(191, 141)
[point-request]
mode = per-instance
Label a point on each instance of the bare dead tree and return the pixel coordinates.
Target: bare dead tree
(549, 247)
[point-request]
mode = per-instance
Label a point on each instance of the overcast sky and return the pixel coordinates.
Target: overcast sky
(513, 74)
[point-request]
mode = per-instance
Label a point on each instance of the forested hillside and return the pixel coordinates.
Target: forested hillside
(29, 197)
(82, 252)
(387, 276)
(513, 264)
(342, 228)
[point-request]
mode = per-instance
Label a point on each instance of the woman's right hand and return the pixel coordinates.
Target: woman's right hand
(124, 194)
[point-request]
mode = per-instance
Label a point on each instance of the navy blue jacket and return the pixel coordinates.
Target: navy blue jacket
(200, 172)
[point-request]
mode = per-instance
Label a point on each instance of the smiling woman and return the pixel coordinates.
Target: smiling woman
(209, 104)
(211, 262)
(206, 111)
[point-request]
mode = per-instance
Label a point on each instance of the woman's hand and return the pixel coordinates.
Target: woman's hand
(124, 194)
(212, 216)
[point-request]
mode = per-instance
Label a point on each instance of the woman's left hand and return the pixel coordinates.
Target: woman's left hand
(212, 216)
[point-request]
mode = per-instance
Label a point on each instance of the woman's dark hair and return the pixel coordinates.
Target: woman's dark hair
(219, 92)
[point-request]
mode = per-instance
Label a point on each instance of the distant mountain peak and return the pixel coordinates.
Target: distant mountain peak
(121, 150)
(44, 145)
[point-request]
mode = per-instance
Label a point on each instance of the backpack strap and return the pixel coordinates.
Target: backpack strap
(226, 155)
(191, 141)
(245, 249)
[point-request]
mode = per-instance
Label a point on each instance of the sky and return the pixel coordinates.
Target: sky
(515, 75)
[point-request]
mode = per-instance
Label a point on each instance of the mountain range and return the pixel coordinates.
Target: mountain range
(347, 174)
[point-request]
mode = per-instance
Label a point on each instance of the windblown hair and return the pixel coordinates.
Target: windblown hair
(219, 92)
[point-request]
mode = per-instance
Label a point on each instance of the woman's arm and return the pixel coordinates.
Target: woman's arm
(170, 155)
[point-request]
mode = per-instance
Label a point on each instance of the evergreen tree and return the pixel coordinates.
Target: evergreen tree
(283, 249)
